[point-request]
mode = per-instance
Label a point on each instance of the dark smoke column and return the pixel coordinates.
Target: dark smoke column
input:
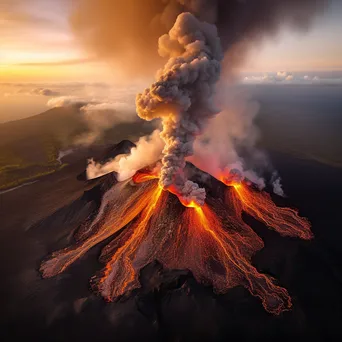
(182, 97)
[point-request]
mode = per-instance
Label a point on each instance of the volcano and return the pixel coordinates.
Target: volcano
(212, 241)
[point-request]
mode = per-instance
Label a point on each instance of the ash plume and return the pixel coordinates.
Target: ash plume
(182, 97)
(126, 32)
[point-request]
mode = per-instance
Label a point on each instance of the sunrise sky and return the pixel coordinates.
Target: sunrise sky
(43, 57)
(38, 45)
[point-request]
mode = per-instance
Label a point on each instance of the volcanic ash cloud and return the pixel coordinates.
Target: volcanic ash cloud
(182, 97)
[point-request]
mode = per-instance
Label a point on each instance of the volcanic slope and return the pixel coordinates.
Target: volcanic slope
(212, 241)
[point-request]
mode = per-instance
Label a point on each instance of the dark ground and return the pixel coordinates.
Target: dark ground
(171, 306)
(42, 217)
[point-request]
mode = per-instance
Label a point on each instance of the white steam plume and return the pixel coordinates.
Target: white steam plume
(148, 150)
(182, 97)
(216, 151)
(276, 184)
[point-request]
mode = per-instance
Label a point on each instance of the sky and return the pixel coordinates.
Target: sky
(37, 45)
(39, 52)
(318, 49)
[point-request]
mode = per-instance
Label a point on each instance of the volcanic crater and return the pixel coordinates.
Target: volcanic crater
(145, 223)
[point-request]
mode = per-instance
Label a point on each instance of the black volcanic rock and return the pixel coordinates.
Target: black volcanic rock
(171, 305)
(123, 147)
(82, 177)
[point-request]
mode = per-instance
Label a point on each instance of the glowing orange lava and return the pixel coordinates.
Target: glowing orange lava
(120, 205)
(258, 204)
(226, 248)
(228, 180)
(212, 241)
(186, 203)
(119, 274)
(141, 177)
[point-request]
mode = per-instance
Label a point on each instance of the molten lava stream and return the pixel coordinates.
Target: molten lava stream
(192, 238)
(120, 205)
(120, 275)
(219, 244)
(285, 221)
(141, 177)
(211, 241)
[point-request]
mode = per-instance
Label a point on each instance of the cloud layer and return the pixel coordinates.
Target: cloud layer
(284, 77)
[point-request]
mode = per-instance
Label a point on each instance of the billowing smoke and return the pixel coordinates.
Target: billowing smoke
(147, 151)
(182, 97)
(126, 32)
(216, 151)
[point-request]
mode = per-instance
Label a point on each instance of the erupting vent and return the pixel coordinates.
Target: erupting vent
(212, 241)
(205, 235)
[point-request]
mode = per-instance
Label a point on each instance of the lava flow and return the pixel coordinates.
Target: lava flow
(285, 221)
(211, 241)
(141, 176)
(119, 274)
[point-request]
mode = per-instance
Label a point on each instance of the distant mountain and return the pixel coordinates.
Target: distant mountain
(56, 122)
(29, 147)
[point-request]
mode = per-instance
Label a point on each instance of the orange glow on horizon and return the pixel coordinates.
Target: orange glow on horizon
(79, 73)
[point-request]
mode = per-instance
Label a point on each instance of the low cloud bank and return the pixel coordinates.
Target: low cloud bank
(100, 105)
(26, 91)
(99, 116)
(65, 101)
(284, 77)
